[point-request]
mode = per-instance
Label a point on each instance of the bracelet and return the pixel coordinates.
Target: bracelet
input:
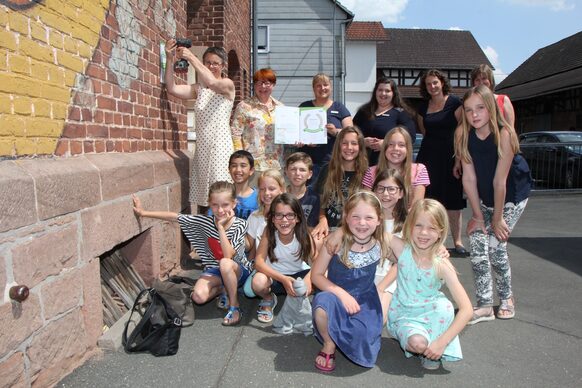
(477, 220)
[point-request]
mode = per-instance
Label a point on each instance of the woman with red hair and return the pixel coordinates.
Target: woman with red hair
(253, 124)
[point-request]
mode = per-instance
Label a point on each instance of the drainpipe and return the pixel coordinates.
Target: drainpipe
(254, 40)
(333, 47)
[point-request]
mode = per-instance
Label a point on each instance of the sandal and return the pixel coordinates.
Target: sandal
(222, 301)
(328, 358)
(229, 317)
(505, 310)
(266, 316)
(481, 317)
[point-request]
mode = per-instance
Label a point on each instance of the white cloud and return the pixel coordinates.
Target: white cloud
(455, 29)
(554, 5)
(494, 59)
(388, 11)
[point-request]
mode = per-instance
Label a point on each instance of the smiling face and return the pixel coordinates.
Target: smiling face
(384, 94)
(284, 220)
(298, 173)
(322, 90)
(434, 86)
(268, 189)
(396, 152)
(362, 221)
(482, 80)
(424, 232)
(476, 112)
(263, 90)
(389, 194)
(214, 63)
(222, 204)
(240, 170)
(349, 147)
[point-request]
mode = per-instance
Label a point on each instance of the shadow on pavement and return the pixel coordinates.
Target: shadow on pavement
(563, 251)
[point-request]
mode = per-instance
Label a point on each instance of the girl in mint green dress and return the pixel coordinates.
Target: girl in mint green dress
(420, 316)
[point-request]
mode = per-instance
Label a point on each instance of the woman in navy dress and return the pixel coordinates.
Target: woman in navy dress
(440, 114)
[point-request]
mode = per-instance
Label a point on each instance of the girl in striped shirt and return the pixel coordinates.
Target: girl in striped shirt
(219, 240)
(397, 154)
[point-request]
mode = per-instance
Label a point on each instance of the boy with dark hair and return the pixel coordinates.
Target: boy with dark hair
(241, 166)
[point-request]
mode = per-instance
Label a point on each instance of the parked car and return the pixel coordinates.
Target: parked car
(554, 158)
(416, 145)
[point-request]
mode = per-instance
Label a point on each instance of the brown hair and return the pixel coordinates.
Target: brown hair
(406, 170)
(400, 210)
(221, 187)
(483, 70)
(434, 73)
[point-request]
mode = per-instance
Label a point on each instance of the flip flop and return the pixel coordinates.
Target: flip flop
(508, 311)
(327, 368)
(266, 316)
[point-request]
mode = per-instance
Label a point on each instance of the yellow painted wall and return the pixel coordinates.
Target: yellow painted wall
(42, 50)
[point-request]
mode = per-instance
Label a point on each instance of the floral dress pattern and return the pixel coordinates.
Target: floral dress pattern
(419, 307)
(253, 129)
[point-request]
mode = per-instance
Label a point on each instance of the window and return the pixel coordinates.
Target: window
(262, 39)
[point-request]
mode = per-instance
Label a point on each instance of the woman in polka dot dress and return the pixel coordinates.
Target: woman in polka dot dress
(214, 100)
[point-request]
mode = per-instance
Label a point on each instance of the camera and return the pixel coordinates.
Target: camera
(181, 66)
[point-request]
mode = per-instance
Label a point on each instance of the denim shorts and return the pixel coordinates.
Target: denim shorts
(215, 271)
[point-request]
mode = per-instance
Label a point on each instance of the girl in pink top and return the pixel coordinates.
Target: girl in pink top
(397, 152)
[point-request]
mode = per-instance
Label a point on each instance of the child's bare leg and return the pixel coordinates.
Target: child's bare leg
(328, 344)
(206, 288)
(230, 271)
(262, 285)
(417, 344)
(385, 299)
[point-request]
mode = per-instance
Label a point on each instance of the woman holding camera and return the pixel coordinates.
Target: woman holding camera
(214, 94)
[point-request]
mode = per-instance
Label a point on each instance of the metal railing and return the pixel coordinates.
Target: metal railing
(554, 166)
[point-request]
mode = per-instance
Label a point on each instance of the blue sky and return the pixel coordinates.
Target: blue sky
(508, 31)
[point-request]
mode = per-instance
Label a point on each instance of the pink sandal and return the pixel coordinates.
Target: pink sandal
(327, 368)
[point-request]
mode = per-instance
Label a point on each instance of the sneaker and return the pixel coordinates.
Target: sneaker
(481, 317)
(222, 301)
(429, 364)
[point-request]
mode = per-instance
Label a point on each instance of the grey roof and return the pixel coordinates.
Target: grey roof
(424, 49)
(551, 69)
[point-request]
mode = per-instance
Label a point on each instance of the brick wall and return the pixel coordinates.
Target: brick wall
(83, 77)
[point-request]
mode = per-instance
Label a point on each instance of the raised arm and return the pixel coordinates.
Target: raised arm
(139, 211)
(183, 91)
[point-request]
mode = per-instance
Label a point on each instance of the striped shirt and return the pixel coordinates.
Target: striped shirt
(419, 176)
(203, 236)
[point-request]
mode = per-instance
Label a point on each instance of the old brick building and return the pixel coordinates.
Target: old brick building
(85, 123)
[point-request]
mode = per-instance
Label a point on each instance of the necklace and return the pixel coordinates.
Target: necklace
(362, 244)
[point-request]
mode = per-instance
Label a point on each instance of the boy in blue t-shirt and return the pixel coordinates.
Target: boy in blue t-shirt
(241, 167)
(299, 169)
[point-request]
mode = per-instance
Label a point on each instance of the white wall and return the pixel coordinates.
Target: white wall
(360, 73)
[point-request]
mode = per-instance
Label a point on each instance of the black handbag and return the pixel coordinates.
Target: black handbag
(157, 329)
(176, 290)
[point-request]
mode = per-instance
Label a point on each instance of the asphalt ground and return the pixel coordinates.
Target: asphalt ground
(540, 347)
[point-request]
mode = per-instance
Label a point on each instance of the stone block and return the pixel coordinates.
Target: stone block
(123, 174)
(45, 255)
(92, 307)
(62, 294)
(108, 225)
(18, 321)
(12, 372)
(63, 185)
(178, 196)
(142, 253)
(17, 204)
(57, 349)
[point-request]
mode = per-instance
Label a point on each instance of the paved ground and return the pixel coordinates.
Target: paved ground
(540, 348)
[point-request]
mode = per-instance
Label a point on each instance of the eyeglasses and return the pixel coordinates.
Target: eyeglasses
(288, 216)
(390, 189)
(264, 83)
(212, 64)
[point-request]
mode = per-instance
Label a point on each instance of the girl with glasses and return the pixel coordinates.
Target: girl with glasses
(284, 254)
(397, 154)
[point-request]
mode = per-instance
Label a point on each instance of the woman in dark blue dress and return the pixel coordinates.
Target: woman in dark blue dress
(440, 114)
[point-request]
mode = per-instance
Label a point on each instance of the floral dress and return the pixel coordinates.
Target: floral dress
(419, 307)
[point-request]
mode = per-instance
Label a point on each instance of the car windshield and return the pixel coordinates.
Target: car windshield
(569, 137)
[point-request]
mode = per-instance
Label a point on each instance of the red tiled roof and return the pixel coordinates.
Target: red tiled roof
(366, 31)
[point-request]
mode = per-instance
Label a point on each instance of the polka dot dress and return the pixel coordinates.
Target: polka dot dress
(213, 144)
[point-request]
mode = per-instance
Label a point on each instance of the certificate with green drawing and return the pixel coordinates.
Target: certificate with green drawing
(300, 125)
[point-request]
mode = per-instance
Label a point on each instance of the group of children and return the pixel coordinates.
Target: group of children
(385, 259)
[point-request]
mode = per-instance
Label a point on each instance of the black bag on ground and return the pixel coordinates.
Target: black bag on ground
(176, 290)
(157, 327)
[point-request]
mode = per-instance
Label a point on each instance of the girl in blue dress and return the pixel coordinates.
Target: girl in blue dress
(347, 314)
(420, 316)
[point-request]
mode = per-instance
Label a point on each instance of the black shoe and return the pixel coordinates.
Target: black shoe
(461, 251)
